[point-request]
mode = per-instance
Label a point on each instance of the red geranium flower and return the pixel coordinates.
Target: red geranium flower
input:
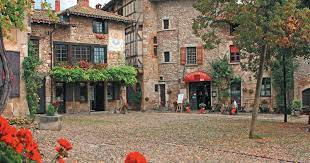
(65, 143)
(135, 157)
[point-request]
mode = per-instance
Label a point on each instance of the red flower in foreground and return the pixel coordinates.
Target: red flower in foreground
(65, 143)
(19, 140)
(135, 157)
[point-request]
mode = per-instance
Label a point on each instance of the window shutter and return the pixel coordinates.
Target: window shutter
(69, 92)
(14, 67)
(106, 27)
(94, 26)
(183, 56)
(116, 86)
(200, 54)
(105, 55)
(76, 91)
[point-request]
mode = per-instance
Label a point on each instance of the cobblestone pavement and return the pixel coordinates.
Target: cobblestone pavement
(180, 137)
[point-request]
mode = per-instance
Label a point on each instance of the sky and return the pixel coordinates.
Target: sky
(64, 4)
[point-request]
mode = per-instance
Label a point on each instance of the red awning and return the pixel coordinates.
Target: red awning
(197, 76)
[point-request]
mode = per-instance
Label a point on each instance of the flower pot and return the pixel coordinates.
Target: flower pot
(50, 122)
(202, 110)
(188, 109)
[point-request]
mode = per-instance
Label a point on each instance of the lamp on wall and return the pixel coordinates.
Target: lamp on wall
(213, 93)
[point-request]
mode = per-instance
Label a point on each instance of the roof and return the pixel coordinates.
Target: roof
(42, 16)
(82, 10)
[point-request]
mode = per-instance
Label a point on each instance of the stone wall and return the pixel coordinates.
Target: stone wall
(80, 31)
(301, 78)
(181, 14)
(18, 42)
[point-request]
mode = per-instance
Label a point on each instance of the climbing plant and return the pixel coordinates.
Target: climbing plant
(277, 80)
(89, 72)
(32, 78)
(222, 75)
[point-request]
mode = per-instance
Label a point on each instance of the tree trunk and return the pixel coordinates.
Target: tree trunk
(257, 91)
(5, 88)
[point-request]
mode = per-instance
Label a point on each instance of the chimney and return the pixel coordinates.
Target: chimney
(83, 2)
(57, 5)
(98, 6)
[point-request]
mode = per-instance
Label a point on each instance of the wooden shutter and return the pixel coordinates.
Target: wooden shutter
(183, 56)
(69, 92)
(106, 27)
(116, 87)
(13, 59)
(94, 27)
(105, 55)
(200, 54)
(77, 92)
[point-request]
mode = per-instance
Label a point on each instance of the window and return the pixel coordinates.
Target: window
(155, 50)
(166, 23)
(266, 87)
(155, 40)
(100, 27)
(35, 46)
(83, 92)
(191, 55)
(61, 53)
(234, 54)
(113, 91)
(81, 53)
(99, 55)
(156, 87)
(166, 56)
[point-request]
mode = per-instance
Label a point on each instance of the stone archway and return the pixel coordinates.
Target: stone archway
(306, 97)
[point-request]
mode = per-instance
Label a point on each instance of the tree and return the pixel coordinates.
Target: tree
(261, 32)
(12, 15)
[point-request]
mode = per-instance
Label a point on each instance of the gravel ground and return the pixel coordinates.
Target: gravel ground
(180, 137)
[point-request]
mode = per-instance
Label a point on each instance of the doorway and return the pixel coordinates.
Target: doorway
(60, 96)
(306, 97)
(200, 92)
(162, 95)
(98, 102)
(235, 93)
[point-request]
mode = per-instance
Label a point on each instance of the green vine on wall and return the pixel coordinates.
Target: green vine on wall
(222, 77)
(32, 79)
(126, 74)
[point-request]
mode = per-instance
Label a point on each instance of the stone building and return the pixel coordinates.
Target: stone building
(81, 33)
(16, 47)
(172, 60)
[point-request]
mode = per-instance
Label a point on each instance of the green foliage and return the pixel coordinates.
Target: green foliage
(13, 13)
(126, 74)
(186, 104)
(32, 79)
(202, 105)
(222, 74)
(277, 79)
(51, 110)
(296, 105)
(7, 154)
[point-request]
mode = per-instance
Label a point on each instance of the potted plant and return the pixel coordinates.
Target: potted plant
(264, 107)
(52, 120)
(202, 107)
(296, 106)
(187, 107)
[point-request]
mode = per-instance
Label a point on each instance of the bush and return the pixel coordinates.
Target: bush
(296, 105)
(51, 110)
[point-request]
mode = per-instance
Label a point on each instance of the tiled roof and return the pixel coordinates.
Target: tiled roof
(42, 16)
(82, 10)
